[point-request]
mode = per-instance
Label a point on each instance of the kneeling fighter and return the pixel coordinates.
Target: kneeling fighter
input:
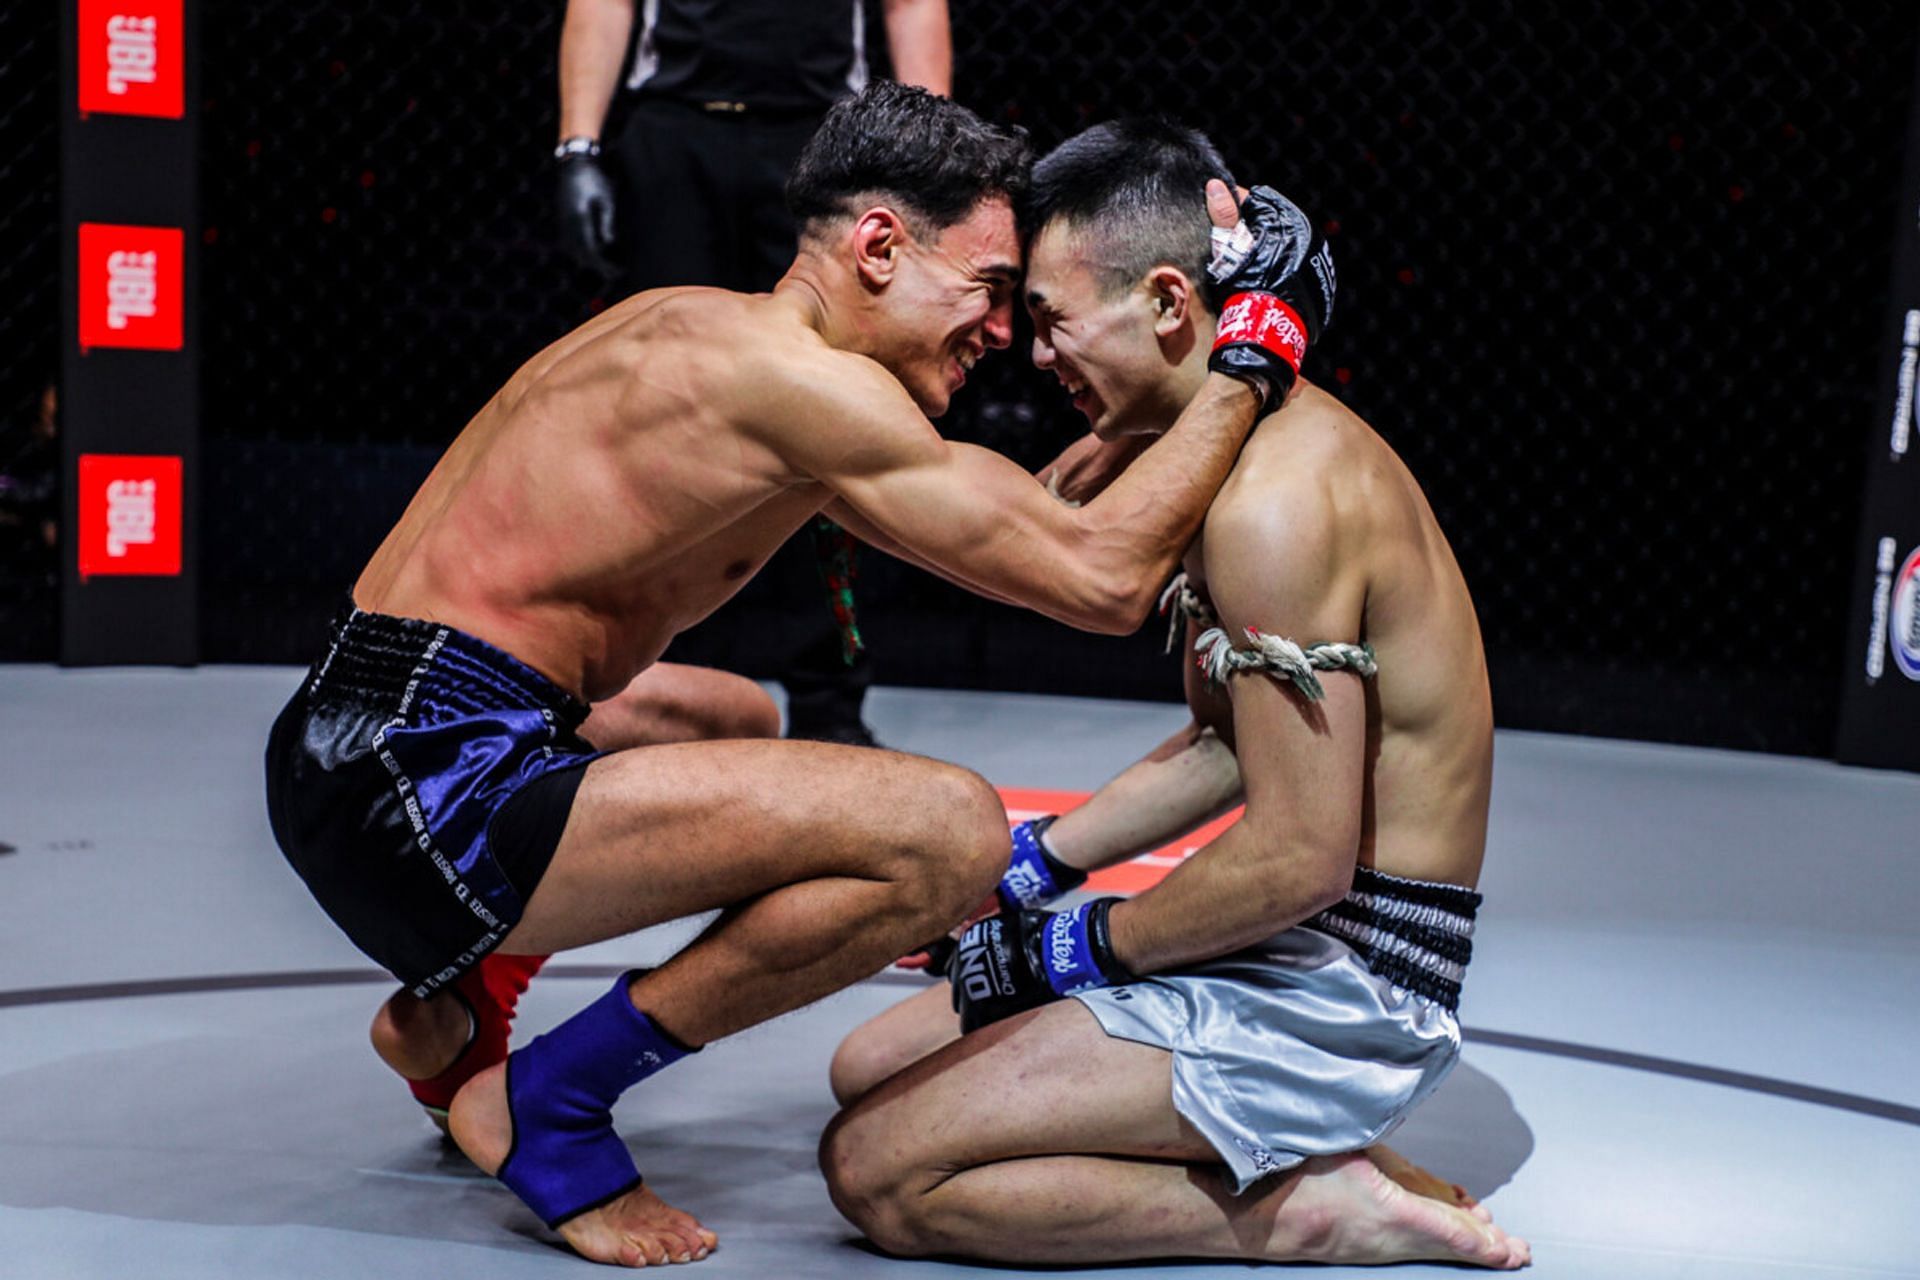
(429, 781)
(1241, 1034)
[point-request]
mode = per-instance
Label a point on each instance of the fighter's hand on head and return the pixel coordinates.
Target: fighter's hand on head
(585, 201)
(1019, 960)
(1273, 274)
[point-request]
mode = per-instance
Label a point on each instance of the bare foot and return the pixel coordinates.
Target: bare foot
(1422, 1183)
(638, 1229)
(1366, 1217)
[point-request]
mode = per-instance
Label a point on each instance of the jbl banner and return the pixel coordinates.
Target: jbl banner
(130, 364)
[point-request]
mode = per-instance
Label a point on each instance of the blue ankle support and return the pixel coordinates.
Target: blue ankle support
(566, 1158)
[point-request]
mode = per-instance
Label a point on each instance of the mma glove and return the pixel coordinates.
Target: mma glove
(585, 201)
(1273, 279)
(1035, 877)
(1019, 960)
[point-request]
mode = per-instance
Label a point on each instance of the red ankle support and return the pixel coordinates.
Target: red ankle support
(490, 991)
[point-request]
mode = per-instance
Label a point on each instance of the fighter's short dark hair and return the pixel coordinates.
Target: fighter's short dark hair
(917, 149)
(1136, 190)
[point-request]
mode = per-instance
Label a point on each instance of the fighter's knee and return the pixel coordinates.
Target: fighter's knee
(868, 1193)
(975, 846)
(729, 706)
(944, 848)
(858, 1064)
(753, 714)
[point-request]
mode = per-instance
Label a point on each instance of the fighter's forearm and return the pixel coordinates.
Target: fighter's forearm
(873, 536)
(1186, 781)
(1244, 887)
(920, 44)
(1133, 534)
(593, 46)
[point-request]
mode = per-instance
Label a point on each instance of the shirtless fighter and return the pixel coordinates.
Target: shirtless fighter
(428, 780)
(1241, 1033)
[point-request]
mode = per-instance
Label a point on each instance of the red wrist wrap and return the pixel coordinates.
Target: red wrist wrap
(1266, 322)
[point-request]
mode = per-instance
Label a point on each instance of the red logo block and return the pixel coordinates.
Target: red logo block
(129, 515)
(130, 286)
(132, 60)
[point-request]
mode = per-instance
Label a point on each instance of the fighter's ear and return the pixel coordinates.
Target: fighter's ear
(879, 235)
(1171, 295)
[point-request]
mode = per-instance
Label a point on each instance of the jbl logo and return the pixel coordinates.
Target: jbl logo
(131, 58)
(130, 509)
(130, 286)
(130, 515)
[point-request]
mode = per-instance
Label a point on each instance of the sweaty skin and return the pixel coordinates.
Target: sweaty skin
(1321, 534)
(622, 485)
(631, 477)
(1041, 1138)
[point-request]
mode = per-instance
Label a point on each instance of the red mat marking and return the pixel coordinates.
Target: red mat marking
(1144, 871)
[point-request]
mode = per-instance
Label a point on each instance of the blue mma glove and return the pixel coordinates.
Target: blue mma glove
(1019, 960)
(1035, 877)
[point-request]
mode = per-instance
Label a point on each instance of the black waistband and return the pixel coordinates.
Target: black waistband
(378, 659)
(1417, 934)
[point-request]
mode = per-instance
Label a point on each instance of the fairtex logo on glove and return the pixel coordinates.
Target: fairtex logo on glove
(1264, 321)
(1025, 884)
(1070, 963)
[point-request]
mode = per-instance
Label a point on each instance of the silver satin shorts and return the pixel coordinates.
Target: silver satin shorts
(1298, 1047)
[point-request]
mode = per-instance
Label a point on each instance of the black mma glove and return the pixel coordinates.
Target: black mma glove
(586, 206)
(1273, 278)
(1035, 877)
(1019, 960)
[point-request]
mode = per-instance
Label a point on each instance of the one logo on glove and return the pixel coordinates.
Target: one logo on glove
(983, 961)
(1264, 321)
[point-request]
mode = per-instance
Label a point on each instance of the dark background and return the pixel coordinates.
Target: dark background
(1612, 282)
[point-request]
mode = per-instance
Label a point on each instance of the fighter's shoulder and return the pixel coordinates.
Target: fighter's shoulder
(810, 377)
(749, 348)
(1273, 497)
(802, 367)
(1283, 525)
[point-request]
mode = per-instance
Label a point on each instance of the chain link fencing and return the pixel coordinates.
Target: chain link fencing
(1612, 282)
(29, 329)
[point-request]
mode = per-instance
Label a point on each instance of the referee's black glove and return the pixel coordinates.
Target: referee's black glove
(586, 212)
